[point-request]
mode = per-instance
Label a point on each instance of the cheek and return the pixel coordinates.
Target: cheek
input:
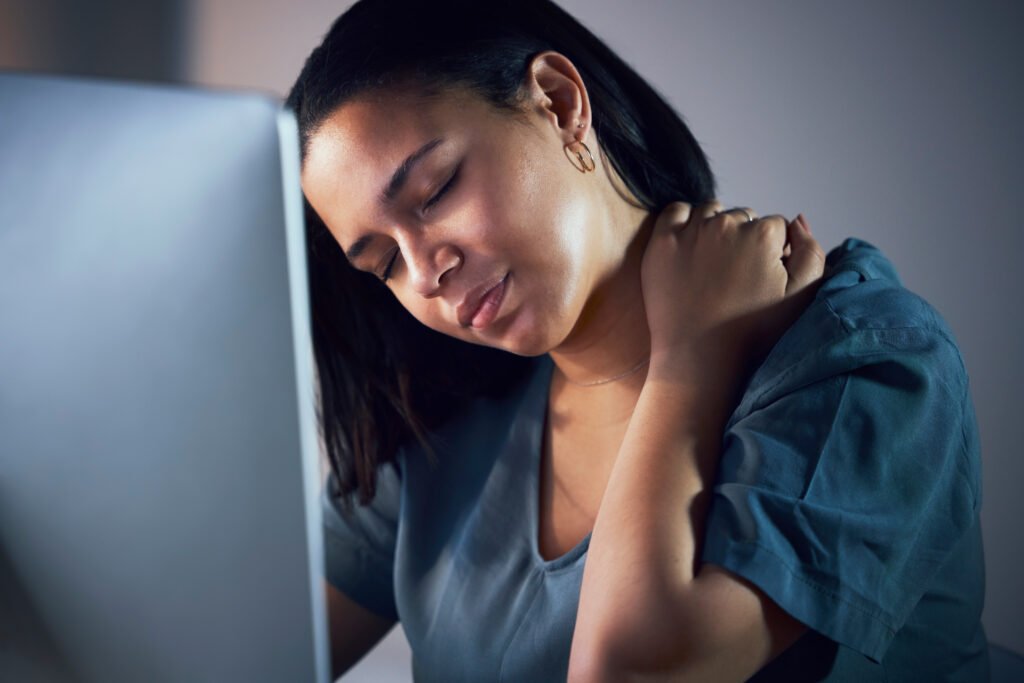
(544, 239)
(536, 225)
(537, 221)
(559, 237)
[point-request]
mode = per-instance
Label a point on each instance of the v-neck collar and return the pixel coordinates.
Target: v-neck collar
(535, 414)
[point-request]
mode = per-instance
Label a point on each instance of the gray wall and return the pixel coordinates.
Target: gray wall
(109, 38)
(896, 122)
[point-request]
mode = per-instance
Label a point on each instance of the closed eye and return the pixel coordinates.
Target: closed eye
(387, 269)
(447, 186)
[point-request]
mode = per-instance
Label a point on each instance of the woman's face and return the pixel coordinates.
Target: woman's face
(487, 197)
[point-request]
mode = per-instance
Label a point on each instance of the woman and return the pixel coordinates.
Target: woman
(602, 428)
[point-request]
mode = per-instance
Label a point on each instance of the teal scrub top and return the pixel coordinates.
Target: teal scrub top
(848, 490)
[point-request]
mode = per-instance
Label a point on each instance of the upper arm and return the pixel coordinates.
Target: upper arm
(360, 544)
(359, 550)
(841, 498)
(354, 630)
(839, 494)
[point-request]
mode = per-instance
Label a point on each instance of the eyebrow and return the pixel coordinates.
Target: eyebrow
(390, 191)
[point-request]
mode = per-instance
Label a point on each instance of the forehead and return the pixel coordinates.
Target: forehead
(352, 155)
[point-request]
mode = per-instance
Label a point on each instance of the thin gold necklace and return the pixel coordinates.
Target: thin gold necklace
(610, 379)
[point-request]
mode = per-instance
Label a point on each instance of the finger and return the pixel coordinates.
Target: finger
(742, 214)
(705, 212)
(807, 260)
(709, 209)
(673, 217)
(766, 235)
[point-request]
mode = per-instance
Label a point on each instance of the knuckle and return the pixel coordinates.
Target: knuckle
(719, 218)
(673, 215)
(676, 207)
(717, 223)
(765, 229)
(680, 208)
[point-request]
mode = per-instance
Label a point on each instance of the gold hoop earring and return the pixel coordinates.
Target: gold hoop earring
(583, 166)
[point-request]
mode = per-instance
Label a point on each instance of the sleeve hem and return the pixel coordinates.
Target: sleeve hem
(372, 595)
(857, 626)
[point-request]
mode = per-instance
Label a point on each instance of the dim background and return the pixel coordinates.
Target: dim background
(894, 121)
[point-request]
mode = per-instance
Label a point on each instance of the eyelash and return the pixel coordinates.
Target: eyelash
(430, 202)
(447, 186)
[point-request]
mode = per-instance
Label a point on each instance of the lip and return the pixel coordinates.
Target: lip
(474, 300)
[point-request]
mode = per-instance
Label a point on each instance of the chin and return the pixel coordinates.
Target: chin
(529, 339)
(525, 350)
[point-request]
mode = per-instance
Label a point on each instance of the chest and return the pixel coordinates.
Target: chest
(575, 466)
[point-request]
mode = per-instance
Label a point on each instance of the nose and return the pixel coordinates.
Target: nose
(428, 264)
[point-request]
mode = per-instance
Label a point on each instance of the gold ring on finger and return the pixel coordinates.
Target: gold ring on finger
(750, 219)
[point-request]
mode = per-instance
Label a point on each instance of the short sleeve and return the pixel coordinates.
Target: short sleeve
(847, 485)
(359, 545)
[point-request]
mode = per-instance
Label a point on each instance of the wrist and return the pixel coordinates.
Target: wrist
(706, 367)
(697, 410)
(710, 380)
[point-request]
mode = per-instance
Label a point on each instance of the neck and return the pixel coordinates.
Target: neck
(611, 335)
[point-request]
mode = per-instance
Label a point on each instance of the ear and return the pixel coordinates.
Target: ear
(557, 92)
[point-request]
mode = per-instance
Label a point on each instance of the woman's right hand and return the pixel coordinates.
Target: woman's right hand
(719, 291)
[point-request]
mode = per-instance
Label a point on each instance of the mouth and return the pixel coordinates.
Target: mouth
(485, 310)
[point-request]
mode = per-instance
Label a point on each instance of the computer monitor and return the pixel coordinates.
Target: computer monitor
(159, 463)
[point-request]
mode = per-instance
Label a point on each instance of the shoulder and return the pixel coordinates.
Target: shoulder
(862, 289)
(860, 315)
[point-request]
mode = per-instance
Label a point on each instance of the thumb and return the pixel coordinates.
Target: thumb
(806, 262)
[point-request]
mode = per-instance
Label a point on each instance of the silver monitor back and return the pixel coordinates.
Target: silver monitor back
(158, 452)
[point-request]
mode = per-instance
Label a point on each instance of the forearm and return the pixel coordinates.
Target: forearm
(644, 549)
